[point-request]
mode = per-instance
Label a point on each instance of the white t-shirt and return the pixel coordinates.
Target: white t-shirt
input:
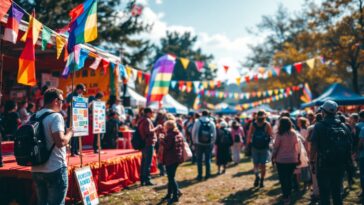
(52, 123)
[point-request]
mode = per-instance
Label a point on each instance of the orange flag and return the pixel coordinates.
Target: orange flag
(4, 7)
(26, 72)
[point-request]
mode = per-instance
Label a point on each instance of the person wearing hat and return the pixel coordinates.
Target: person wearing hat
(79, 91)
(330, 154)
(223, 143)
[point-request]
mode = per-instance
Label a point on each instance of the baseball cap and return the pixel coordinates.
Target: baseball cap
(329, 106)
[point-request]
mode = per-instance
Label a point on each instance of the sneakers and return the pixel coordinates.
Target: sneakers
(173, 200)
(256, 182)
(149, 183)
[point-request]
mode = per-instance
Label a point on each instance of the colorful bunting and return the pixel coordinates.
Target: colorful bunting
(226, 68)
(298, 67)
(97, 62)
(46, 37)
(60, 43)
(199, 65)
(12, 26)
(4, 8)
(184, 62)
(105, 65)
(311, 63)
(26, 72)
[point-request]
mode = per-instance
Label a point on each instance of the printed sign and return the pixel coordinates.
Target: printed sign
(99, 117)
(86, 186)
(80, 116)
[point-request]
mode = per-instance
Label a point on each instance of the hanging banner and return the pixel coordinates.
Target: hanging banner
(87, 186)
(80, 116)
(99, 117)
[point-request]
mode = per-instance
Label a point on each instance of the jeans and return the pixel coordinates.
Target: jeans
(172, 184)
(361, 168)
(74, 145)
(147, 156)
(330, 183)
(200, 151)
(51, 188)
(285, 173)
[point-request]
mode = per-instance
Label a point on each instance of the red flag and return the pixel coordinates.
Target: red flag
(140, 75)
(218, 83)
(12, 26)
(147, 78)
(247, 79)
(105, 64)
(226, 68)
(256, 77)
(4, 8)
(298, 67)
(26, 72)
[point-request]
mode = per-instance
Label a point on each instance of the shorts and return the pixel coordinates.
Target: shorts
(260, 156)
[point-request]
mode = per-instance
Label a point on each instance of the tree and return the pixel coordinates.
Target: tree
(183, 46)
(117, 29)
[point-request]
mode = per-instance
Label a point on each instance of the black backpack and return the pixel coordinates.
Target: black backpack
(30, 145)
(205, 133)
(137, 141)
(225, 138)
(335, 148)
(260, 139)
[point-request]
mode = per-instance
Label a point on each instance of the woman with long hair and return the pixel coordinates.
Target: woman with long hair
(172, 156)
(237, 134)
(286, 155)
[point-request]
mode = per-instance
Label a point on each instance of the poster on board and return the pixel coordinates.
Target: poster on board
(80, 116)
(99, 117)
(86, 186)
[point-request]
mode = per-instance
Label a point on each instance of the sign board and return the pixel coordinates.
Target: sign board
(86, 186)
(80, 116)
(99, 117)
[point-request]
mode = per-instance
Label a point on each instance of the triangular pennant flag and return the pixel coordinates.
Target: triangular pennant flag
(311, 63)
(37, 26)
(12, 26)
(105, 65)
(270, 73)
(4, 8)
(135, 74)
(256, 78)
(288, 69)
(83, 57)
(238, 79)
(96, 64)
(205, 84)
(46, 37)
(189, 86)
(259, 94)
(270, 92)
(65, 57)
(261, 70)
(226, 68)
(298, 67)
(184, 62)
(218, 83)
(276, 91)
(173, 84)
(212, 66)
(26, 71)
(140, 75)
(196, 85)
(212, 84)
(247, 79)
(129, 71)
(199, 65)
(60, 43)
(277, 70)
(236, 95)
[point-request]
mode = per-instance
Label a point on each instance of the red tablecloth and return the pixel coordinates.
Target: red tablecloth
(125, 142)
(118, 169)
(7, 147)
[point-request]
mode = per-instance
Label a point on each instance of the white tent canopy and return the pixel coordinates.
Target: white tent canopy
(136, 99)
(171, 105)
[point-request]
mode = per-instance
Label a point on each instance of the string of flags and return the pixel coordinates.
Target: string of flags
(249, 95)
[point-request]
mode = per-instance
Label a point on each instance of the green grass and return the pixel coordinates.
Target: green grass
(233, 187)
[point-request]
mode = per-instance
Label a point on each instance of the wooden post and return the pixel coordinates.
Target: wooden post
(99, 147)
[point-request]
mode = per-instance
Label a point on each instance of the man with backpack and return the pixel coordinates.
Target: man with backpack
(204, 136)
(331, 144)
(51, 177)
(360, 135)
(259, 136)
(147, 133)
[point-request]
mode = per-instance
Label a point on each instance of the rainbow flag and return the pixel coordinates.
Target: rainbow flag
(307, 95)
(83, 25)
(161, 78)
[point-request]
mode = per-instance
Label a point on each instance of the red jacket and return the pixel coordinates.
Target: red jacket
(145, 126)
(173, 148)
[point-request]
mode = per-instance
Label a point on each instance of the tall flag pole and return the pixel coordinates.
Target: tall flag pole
(161, 78)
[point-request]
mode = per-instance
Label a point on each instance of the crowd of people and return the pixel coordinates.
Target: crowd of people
(313, 151)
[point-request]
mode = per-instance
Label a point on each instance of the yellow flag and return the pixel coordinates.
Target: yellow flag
(60, 43)
(311, 63)
(238, 79)
(184, 62)
(205, 84)
(37, 26)
(129, 70)
(212, 84)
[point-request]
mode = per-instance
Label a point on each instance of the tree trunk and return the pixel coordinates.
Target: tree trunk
(355, 79)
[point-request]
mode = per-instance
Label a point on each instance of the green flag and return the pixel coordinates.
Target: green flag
(46, 37)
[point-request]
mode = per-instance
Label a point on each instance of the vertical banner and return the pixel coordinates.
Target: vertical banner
(99, 117)
(80, 116)
(87, 186)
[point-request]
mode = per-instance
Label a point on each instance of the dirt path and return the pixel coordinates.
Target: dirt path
(233, 187)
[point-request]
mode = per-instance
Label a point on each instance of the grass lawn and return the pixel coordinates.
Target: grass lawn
(233, 187)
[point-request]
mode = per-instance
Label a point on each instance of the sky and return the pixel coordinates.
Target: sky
(221, 25)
